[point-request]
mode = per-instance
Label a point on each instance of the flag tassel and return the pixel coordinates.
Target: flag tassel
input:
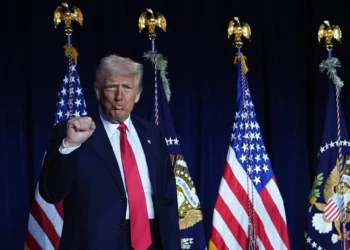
(240, 56)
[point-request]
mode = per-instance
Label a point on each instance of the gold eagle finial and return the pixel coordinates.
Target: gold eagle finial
(147, 18)
(329, 32)
(238, 30)
(62, 13)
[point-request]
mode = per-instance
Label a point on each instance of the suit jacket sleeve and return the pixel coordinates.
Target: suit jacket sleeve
(171, 235)
(58, 170)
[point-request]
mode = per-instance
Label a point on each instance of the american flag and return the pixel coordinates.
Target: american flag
(249, 204)
(46, 220)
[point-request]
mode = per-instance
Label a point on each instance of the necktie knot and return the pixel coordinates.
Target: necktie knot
(122, 128)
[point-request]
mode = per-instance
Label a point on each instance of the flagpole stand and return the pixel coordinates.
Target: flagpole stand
(327, 33)
(63, 13)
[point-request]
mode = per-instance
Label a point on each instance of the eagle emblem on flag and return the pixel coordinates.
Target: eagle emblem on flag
(188, 202)
(330, 211)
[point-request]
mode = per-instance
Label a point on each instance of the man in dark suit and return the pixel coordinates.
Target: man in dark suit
(112, 171)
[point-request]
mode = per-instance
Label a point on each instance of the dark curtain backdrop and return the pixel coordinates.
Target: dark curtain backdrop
(287, 88)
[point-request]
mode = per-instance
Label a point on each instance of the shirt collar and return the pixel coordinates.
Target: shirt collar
(110, 127)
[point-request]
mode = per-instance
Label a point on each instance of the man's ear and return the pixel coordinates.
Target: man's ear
(137, 97)
(97, 91)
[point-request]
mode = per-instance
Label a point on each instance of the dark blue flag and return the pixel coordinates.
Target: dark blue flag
(324, 227)
(191, 219)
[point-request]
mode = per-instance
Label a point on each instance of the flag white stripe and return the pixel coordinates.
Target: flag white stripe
(333, 212)
(272, 233)
(51, 212)
(260, 244)
(227, 236)
(239, 213)
(276, 197)
(330, 208)
(38, 234)
(234, 205)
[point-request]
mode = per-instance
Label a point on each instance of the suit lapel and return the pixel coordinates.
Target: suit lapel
(103, 147)
(148, 149)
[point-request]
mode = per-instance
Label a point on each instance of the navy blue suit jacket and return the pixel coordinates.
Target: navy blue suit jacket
(94, 200)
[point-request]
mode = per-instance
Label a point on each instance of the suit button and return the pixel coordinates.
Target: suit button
(123, 199)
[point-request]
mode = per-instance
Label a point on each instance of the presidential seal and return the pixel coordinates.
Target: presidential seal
(331, 210)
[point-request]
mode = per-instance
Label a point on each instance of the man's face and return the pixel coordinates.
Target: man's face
(118, 96)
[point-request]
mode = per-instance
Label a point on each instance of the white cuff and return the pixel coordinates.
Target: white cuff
(64, 150)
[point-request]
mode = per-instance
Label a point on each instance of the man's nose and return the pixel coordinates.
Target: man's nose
(118, 94)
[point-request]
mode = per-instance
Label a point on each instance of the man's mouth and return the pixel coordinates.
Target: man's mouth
(118, 107)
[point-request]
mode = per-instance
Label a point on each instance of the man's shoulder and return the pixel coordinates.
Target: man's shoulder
(149, 127)
(146, 124)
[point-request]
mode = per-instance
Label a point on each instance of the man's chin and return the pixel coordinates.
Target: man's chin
(117, 118)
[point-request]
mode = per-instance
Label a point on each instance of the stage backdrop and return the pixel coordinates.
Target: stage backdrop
(287, 88)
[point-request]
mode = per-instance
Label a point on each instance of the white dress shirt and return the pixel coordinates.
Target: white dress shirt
(114, 137)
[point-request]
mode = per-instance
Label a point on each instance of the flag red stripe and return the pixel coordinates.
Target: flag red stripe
(232, 222)
(218, 241)
(330, 206)
(45, 223)
(235, 186)
(59, 208)
(331, 212)
(241, 195)
(260, 231)
(31, 242)
(275, 216)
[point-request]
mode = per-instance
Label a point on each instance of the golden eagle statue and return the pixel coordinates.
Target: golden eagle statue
(329, 32)
(238, 31)
(147, 18)
(62, 13)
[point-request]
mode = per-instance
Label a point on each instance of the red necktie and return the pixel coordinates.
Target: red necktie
(139, 223)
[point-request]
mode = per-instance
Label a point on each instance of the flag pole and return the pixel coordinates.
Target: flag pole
(239, 29)
(329, 33)
(63, 13)
(147, 18)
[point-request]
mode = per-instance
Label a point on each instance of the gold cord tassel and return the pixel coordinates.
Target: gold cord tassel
(74, 53)
(244, 59)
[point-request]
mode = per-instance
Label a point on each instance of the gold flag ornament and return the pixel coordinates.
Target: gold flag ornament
(147, 19)
(63, 13)
(329, 32)
(238, 30)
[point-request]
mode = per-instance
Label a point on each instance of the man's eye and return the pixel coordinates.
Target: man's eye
(127, 87)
